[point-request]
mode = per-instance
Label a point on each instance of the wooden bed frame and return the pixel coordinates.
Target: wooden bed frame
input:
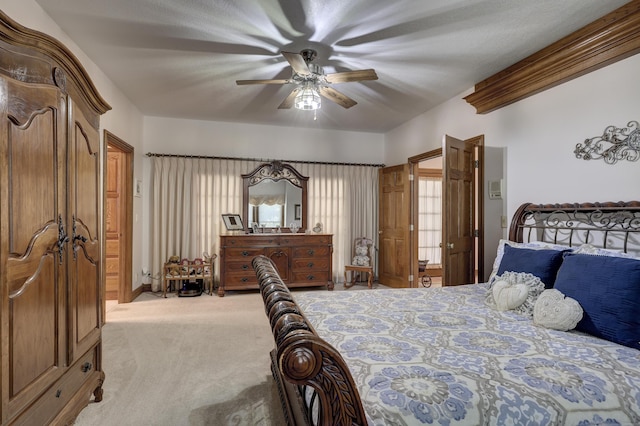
(314, 382)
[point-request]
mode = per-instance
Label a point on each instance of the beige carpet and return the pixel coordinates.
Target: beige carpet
(188, 361)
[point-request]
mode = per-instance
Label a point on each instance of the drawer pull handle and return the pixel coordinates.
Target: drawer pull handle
(310, 252)
(58, 393)
(86, 367)
(245, 267)
(311, 277)
(245, 279)
(310, 264)
(245, 253)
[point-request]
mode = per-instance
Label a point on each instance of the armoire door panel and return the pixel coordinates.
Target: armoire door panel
(34, 239)
(34, 349)
(84, 276)
(33, 147)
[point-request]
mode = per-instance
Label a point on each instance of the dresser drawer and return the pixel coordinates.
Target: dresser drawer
(310, 264)
(311, 277)
(249, 240)
(240, 279)
(241, 253)
(245, 266)
(311, 251)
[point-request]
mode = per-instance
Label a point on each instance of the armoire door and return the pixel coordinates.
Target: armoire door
(33, 242)
(84, 215)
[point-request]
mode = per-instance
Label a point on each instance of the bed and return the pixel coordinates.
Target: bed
(448, 356)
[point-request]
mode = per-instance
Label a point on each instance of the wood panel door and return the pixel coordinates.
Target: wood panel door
(84, 210)
(33, 245)
(395, 192)
(113, 224)
(458, 212)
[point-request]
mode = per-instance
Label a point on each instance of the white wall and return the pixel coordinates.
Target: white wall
(124, 120)
(193, 137)
(540, 134)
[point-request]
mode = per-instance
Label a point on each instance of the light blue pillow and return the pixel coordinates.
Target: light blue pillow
(608, 289)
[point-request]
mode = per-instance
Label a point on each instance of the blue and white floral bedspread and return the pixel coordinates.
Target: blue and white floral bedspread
(441, 356)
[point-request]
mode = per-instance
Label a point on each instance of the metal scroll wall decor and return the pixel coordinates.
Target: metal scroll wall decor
(616, 143)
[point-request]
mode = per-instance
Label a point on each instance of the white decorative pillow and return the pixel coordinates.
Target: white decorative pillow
(554, 310)
(534, 245)
(516, 291)
(597, 251)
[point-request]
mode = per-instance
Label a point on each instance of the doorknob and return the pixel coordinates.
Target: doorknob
(449, 245)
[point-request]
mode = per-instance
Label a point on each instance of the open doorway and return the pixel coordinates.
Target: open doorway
(118, 219)
(429, 213)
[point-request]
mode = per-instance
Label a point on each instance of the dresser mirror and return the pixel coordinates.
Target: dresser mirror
(274, 197)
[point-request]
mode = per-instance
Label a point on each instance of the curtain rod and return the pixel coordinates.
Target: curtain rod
(152, 154)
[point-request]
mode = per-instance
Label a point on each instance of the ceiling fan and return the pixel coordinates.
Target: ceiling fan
(311, 82)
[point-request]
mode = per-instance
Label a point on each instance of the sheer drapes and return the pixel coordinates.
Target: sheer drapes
(430, 219)
(191, 194)
(189, 197)
(344, 199)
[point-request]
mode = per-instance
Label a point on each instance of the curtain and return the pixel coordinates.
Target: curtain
(344, 199)
(430, 219)
(190, 194)
(189, 197)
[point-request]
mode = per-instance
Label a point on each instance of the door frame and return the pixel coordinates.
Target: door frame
(478, 142)
(126, 247)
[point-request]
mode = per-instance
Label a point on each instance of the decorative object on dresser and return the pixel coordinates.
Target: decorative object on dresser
(273, 185)
(303, 260)
(233, 222)
(185, 271)
(615, 143)
(357, 357)
(51, 245)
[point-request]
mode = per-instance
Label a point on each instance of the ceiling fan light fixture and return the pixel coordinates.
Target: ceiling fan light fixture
(308, 99)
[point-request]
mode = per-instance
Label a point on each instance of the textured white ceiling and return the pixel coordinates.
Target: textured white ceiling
(180, 58)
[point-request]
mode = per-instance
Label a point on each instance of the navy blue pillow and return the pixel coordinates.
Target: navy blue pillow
(608, 289)
(543, 264)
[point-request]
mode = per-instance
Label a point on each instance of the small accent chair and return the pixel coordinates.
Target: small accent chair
(423, 276)
(360, 263)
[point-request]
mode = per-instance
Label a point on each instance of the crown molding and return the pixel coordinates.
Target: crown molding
(611, 38)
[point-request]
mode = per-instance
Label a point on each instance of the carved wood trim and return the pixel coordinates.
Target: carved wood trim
(15, 34)
(611, 38)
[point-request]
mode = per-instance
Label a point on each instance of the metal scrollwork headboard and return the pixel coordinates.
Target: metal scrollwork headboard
(615, 143)
(614, 226)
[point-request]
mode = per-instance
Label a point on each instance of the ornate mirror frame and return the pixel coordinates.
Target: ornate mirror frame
(275, 171)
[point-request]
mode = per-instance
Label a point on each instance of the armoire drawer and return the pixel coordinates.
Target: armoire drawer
(57, 396)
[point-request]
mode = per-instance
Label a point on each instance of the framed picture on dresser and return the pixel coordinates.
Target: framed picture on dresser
(233, 222)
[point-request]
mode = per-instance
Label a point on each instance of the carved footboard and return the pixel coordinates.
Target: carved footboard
(314, 382)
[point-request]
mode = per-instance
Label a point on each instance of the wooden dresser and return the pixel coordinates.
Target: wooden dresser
(51, 244)
(303, 260)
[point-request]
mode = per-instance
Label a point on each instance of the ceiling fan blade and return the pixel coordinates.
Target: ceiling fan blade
(297, 62)
(289, 100)
(245, 82)
(347, 76)
(337, 97)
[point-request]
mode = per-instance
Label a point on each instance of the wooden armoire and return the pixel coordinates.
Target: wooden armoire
(51, 245)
